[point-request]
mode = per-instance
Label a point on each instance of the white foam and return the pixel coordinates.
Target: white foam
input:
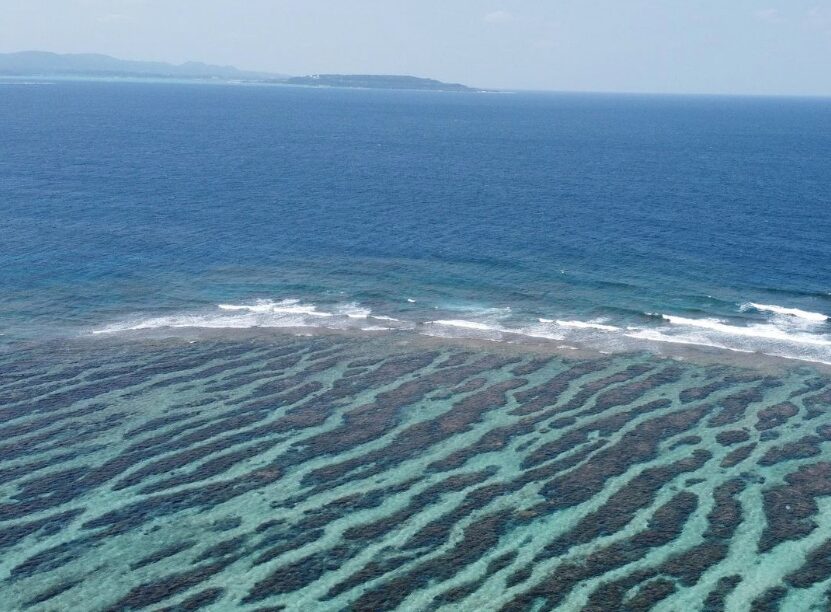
(556, 329)
(199, 321)
(787, 335)
(477, 311)
(587, 325)
(761, 331)
(462, 328)
(778, 339)
(290, 306)
(704, 332)
(353, 311)
(465, 325)
(261, 313)
(816, 317)
(653, 335)
(538, 331)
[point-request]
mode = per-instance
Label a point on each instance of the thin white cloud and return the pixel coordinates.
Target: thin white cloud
(768, 15)
(113, 18)
(819, 18)
(498, 17)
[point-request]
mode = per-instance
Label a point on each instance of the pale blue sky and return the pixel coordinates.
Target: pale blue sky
(704, 46)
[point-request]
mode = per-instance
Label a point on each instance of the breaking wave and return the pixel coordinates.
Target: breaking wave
(287, 313)
(785, 332)
(775, 338)
(815, 317)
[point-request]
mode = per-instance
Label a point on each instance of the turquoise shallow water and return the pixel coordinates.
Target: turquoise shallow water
(334, 472)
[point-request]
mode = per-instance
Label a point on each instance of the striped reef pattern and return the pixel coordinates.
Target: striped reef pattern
(335, 473)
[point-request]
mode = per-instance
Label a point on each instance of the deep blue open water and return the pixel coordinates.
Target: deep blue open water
(275, 348)
(140, 204)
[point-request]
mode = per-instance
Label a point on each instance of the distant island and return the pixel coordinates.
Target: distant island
(92, 65)
(45, 64)
(370, 81)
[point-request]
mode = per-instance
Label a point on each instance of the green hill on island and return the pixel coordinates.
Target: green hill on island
(370, 81)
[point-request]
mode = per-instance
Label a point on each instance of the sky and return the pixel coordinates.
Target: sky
(663, 46)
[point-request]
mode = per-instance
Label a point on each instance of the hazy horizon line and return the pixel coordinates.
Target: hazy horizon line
(816, 96)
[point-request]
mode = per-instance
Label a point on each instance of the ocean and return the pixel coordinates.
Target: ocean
(269, 347)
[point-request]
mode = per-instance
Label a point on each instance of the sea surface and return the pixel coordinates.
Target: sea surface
(284, 348)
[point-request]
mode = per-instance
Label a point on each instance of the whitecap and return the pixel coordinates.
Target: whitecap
(816, 317)
(289, 306)
(465, 325)
(205, 321)
(653, 335)
(775, 339)
(353, 311)
(260, 313)
(759, 331)
(587, 325)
